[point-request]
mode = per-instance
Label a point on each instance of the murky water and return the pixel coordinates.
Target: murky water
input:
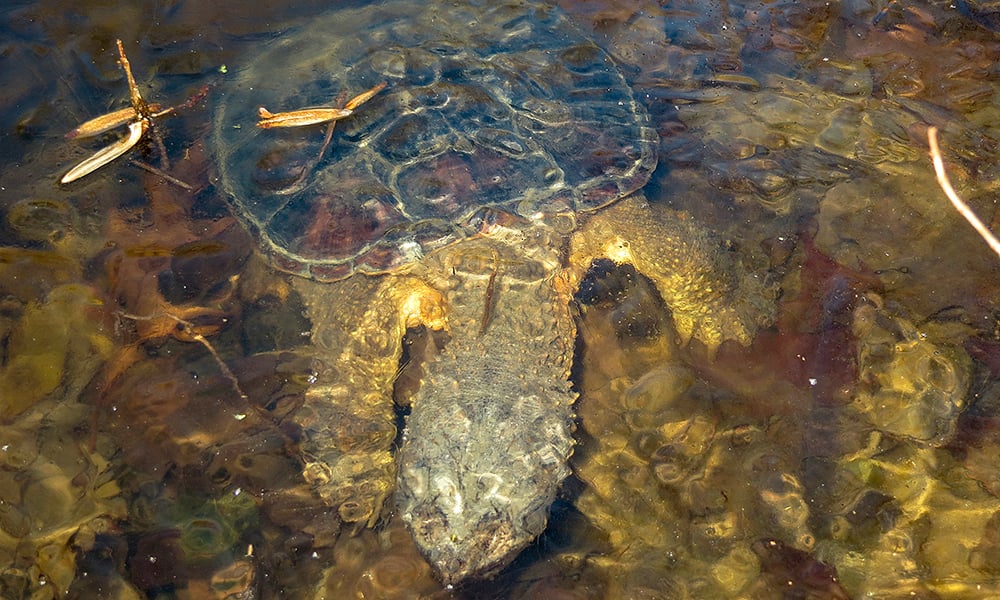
(152, 366)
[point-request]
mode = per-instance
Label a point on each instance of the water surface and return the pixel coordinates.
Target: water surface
(147, 371)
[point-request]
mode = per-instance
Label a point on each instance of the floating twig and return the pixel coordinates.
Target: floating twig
(138, 104)
(139, 118)
(313, 116)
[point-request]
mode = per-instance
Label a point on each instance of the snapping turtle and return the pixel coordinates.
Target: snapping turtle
(448, 200)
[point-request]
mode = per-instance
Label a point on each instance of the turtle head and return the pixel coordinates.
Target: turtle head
(480, 552)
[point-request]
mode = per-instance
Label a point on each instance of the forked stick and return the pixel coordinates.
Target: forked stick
(960, 206)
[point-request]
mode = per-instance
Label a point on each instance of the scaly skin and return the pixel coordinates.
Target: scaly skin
(490, 434)
(488, 441)
(711, 298)
(347, 417)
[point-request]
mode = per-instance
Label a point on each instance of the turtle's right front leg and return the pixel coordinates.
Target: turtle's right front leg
(347, 418)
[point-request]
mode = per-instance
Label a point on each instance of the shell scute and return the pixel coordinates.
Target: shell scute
(507, 107)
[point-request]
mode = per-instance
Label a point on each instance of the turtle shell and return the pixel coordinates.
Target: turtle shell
(488, 106)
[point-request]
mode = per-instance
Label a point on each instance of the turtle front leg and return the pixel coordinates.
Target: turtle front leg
(713, 298)
(347, 418)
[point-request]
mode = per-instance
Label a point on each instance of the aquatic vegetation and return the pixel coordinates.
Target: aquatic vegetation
(60, 496)
(913, 380)
(58, 344)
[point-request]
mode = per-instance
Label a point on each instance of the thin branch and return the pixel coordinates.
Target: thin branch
(949, 191)
(139, 118)
(190, 333)
(167, 177)
(138, 104)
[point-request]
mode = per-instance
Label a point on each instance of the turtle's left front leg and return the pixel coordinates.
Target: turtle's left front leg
(713, 298)
(347, 418)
